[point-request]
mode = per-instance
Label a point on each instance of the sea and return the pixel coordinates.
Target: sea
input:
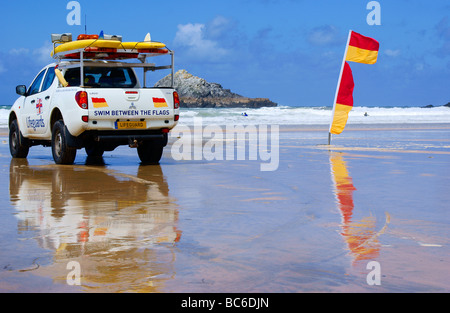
(290, 115)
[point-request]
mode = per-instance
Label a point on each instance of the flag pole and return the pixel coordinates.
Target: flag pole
(338, 85)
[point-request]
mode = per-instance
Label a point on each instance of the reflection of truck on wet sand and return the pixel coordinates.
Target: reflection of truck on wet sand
(122, 232)
(69, 208)
(91, 98)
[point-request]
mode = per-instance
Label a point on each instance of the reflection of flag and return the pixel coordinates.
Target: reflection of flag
(160, 103)
(343, 186)
(99, 102)
(362, 49)
(344, 101)
(360, 235)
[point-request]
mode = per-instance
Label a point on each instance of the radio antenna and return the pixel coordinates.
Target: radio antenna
(85, 23)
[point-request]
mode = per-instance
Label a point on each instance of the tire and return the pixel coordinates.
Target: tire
(17, 143)
(150, 152)
(62, 154)
(94, 151)
(94, 154)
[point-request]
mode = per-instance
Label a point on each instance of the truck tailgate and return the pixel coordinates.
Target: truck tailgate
(114, 108)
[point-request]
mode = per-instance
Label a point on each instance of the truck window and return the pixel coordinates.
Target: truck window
(34, 88)
(49, 77)
(103, 77)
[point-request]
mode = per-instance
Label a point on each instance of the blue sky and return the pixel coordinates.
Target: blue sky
(289, 51)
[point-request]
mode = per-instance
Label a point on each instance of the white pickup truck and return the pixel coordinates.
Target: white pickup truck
(91, 98)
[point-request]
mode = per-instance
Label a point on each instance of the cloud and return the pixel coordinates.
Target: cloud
(19, 51)
(218, 27)
(39, 55)
(443, 29)
(42, 54)
(419, 66)
(443, 32)
(324, 35)
(21, 65)
(392, 53)
(194, 40)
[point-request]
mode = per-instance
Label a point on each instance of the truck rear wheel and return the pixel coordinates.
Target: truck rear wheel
(94, 151)
(150, 152)
(62, 153)
(17, 144)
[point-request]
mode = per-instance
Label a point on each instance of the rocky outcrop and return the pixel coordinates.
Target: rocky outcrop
(196, 92)
(226, 102)
(432, 106)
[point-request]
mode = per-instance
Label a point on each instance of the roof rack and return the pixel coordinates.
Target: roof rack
(109, 48)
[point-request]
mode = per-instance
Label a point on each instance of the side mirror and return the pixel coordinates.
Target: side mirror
(21, 90)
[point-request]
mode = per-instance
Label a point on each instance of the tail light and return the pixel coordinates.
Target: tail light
(176, 100)
(82, 99)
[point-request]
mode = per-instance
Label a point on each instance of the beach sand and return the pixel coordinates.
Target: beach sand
(377, 193)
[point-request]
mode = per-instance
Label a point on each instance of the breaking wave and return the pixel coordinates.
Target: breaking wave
(285, 115)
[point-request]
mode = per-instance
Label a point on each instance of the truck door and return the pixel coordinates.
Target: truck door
(37, 102)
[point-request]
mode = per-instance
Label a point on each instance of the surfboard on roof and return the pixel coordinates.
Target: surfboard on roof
(103, 46)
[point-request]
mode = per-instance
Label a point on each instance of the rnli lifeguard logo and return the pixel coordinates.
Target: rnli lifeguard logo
(39, 106)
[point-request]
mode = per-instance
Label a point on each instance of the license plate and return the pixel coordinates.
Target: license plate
(131, 125)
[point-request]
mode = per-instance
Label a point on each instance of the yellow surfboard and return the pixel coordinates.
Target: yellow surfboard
(142, 45)
(89, 42)
(80, 44)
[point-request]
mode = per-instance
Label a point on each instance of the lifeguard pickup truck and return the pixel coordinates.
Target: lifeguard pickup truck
(91, 98)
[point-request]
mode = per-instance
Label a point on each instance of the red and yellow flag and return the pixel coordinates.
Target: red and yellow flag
(99, 102)
(344, 101)
(362, 49)
(160, 103)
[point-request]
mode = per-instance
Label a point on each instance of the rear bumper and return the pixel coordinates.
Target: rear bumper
(115, 138)
(127, 137)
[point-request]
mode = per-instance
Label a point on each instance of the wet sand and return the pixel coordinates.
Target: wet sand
(378, 193)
